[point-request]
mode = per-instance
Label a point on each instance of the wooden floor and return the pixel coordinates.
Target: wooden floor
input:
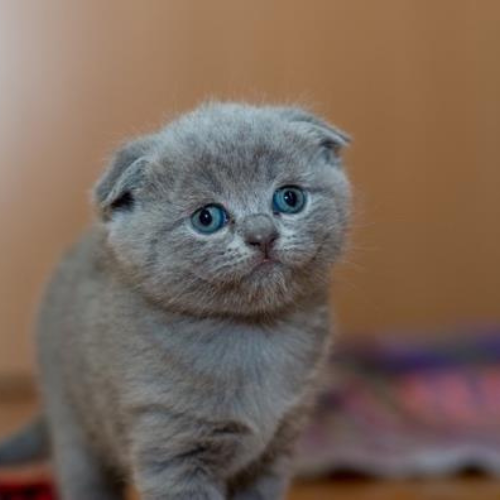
(15, 412)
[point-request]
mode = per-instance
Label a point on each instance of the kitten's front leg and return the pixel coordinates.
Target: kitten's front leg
(269, 478)
(175, 460)
(271, 482)
(176, 478)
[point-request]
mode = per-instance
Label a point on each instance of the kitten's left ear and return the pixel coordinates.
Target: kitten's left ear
(331, 138)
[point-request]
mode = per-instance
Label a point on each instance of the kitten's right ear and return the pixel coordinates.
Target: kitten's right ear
(114, 191)
(331, 138)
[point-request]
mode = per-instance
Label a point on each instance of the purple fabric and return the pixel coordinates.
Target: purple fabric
(409, 408)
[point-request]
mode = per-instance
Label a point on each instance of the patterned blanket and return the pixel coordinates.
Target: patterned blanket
(401, 407)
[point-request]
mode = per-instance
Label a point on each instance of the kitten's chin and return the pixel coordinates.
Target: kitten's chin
(268, 288)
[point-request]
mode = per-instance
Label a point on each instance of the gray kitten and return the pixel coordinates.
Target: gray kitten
(180, 339)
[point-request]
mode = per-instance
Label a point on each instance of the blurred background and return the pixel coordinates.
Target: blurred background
(416, 83)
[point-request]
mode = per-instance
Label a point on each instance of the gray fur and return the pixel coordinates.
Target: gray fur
(169, 358)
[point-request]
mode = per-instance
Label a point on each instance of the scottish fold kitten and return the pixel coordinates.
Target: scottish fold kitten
(180, 339)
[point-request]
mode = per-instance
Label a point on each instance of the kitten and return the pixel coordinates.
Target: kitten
(180, 339)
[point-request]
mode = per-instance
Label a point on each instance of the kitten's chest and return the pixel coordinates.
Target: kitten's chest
(216, 374)
(256, 374)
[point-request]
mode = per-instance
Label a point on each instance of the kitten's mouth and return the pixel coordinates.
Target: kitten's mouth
(266, 262)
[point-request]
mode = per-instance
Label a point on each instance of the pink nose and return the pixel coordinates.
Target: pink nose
(259, 231)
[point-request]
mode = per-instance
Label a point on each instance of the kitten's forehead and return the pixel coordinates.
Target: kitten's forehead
(233, 147)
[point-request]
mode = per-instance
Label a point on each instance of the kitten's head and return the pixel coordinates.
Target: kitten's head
(231, 209)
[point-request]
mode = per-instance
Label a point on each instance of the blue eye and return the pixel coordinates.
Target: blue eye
(209, 219)
(289, 200)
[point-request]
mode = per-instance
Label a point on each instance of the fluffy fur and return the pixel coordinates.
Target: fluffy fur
(180, 361)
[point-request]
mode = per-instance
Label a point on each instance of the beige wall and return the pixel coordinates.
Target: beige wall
(417, 83)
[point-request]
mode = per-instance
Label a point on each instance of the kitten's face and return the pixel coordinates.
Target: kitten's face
(230, 210)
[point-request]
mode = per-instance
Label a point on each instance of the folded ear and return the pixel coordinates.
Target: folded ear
(115, 189)
(331, 138)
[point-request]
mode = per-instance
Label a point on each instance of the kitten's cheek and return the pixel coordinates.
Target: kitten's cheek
(296, 258)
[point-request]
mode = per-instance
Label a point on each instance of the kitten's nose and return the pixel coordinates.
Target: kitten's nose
(259, 231)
